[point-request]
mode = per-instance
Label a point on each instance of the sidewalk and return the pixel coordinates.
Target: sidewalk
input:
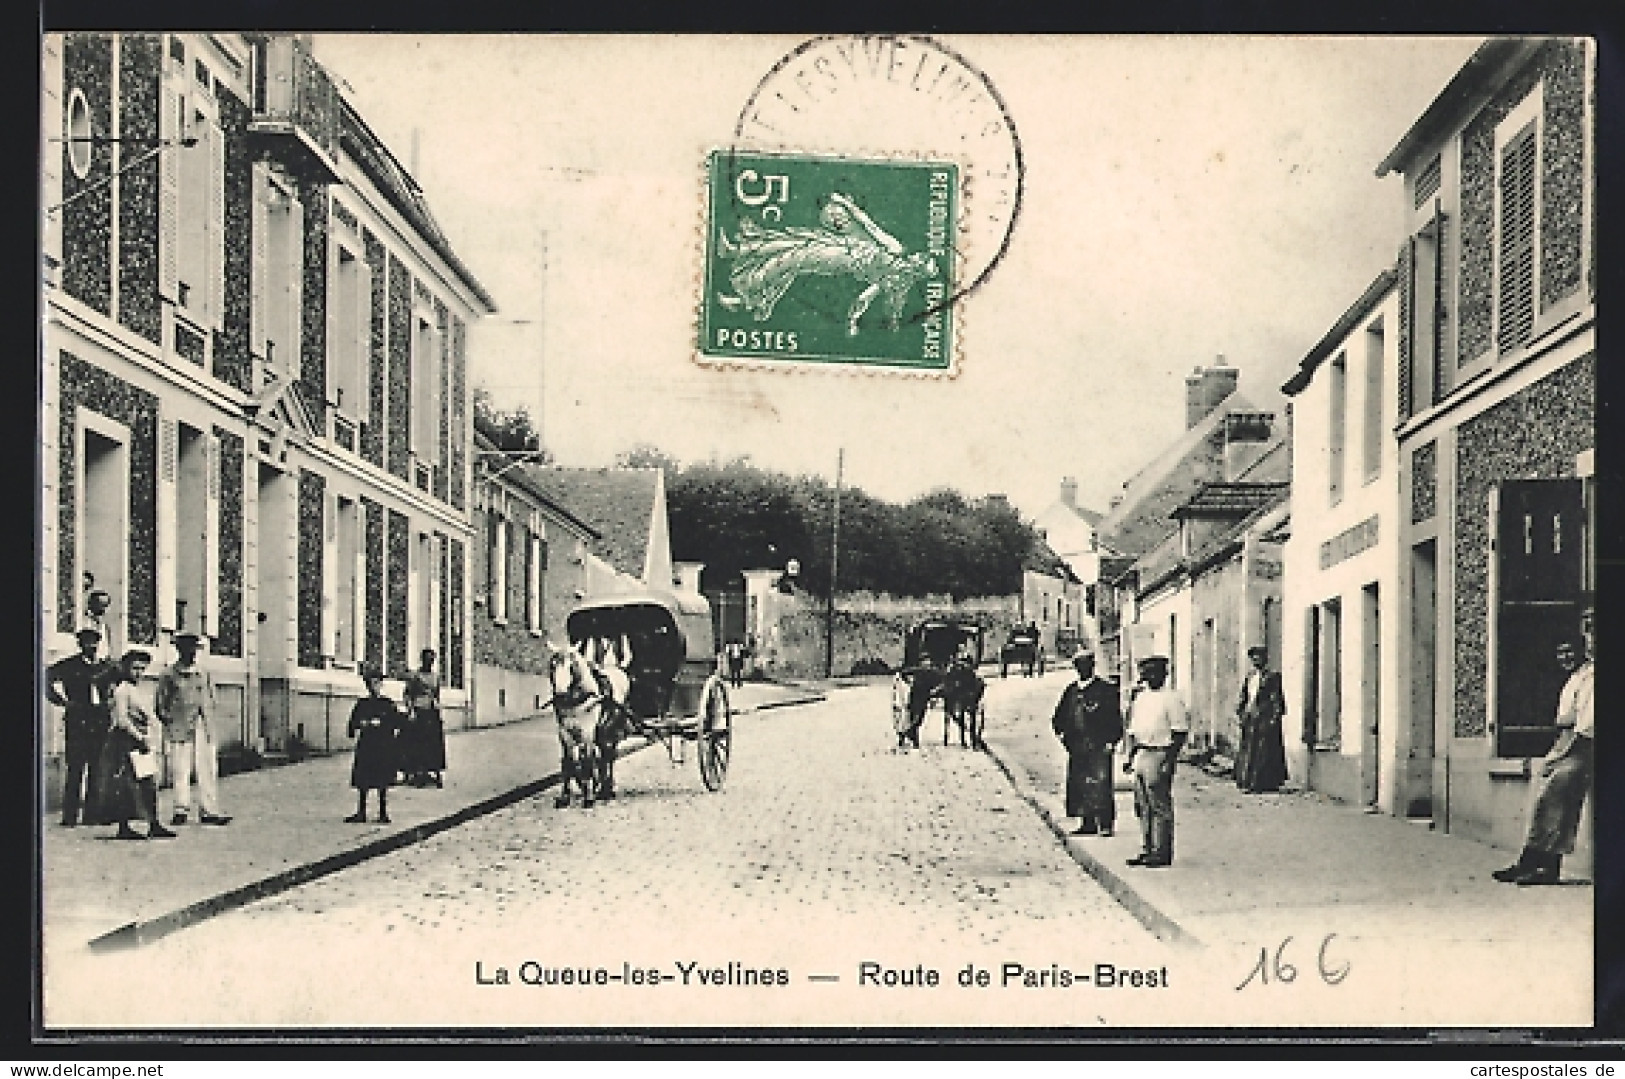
(288, 827)
(1298, 861)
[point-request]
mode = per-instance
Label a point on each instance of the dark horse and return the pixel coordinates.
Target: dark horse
(962, 690)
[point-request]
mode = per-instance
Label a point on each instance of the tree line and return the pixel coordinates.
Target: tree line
(736, 515)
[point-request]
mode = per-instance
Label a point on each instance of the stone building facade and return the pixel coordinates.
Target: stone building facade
(255, 411)
(1496, 416)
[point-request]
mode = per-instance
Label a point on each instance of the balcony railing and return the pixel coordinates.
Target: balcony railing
(296, 106)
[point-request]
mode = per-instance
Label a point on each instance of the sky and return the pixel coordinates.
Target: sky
(1185, 198)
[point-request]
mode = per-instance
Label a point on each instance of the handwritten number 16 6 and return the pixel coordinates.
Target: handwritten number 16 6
(1286, 972)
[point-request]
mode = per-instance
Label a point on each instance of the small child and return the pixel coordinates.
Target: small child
(374, 723)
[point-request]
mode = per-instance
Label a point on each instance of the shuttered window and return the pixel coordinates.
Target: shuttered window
(349, 312)
(192, 185)
(1516, 298)
(277, 273)
(1338, 425)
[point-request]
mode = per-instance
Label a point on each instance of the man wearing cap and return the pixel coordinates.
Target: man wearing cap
(1261, 757)
(78, 685)
(1564, 776)
(185, 702)
(1157, 729)
(1089, 721)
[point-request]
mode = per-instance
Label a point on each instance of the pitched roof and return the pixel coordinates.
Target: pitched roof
(1451, 108)
(403, 193)
(1141, 519)
(619, 503)
(519, 476)
(1230, 499)
(1340, 331)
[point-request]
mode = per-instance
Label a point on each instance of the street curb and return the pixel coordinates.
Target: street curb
(1164, 927)
(136, 934)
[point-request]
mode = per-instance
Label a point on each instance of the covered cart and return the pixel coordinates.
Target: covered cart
(676, 693)
(931, 650)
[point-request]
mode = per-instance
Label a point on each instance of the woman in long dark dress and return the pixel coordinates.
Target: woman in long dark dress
(374, 723)
(423, 758)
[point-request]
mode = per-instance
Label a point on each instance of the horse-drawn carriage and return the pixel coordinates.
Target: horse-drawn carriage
(673, 693)
(940, 657)
(1024, 648)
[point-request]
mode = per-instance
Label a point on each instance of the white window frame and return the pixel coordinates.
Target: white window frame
(1374, 424)
(1337, 427)
(79, 129)
(276, 322)
(533, 579)
(499, 567)
(426, 401)
(188, 110)
(349, 340)
(1530, 109)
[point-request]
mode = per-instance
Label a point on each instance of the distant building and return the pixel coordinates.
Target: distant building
(1496, 398)
(1212, 589)
(533, 560)
(626, 507)
(255, 411)
(1225, 435)
(1345, 729)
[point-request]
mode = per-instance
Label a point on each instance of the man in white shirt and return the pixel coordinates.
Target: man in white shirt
(1564, 777)
(1157, 729)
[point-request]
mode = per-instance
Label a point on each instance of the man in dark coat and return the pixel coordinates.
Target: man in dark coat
(78, 685)
(1261, 760)
(1089, 720)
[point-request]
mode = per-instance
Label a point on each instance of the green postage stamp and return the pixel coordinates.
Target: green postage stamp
(813, 259)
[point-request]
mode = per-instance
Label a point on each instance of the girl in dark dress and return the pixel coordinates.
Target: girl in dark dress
(374, 723)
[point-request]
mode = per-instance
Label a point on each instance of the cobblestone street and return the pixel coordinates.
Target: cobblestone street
(825, 850)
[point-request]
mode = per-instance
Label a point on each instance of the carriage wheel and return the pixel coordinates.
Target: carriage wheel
(715, 736)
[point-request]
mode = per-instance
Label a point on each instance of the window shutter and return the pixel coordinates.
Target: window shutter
(295, 283)
(1407, 324)
(170, 130)
(1441, 248)
(1516, 315)
(211, 534)
(259, 264)
(216, 244)
(167, 523)
(337, 389)
(361, 335)
(330, 565)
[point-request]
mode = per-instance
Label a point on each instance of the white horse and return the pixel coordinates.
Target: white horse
(578, 706)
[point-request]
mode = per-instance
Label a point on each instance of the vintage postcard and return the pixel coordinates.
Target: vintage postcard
(873, 532)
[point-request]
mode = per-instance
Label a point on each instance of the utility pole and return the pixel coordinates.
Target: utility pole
(834, 568)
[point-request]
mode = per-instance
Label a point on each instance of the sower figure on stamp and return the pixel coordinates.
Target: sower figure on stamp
(1261, 758)
(1157, 729)
(186, 707)
(77, 684)
(1089, 721)
(1564, 776)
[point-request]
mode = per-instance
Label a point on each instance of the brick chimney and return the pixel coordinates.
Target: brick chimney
(1246, 437)
(1206, 388)
(1069, 492)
